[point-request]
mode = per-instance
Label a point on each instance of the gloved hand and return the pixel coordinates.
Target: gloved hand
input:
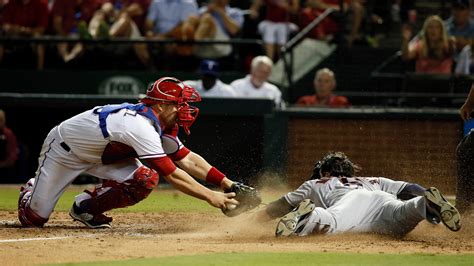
(247, 196)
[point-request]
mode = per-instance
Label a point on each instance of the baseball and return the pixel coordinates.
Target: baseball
(230, 206)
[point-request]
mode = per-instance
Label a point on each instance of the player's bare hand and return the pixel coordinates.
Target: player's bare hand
(221, 200)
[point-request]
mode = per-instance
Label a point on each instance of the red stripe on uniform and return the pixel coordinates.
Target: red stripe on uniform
(180, 154)
(163, 165)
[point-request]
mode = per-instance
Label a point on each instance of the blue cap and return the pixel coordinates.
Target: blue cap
(209, 68)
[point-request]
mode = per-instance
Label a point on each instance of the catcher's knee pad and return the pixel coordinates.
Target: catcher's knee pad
(111, 195)
(26, 215)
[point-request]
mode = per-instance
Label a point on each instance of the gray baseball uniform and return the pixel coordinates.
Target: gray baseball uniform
(357, 204)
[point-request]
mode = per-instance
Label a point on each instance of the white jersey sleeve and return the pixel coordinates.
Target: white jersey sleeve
(311, 189)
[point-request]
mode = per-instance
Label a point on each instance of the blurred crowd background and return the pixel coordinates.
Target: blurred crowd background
(309, 54)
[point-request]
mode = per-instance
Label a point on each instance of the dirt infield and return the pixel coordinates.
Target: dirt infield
(145, 235)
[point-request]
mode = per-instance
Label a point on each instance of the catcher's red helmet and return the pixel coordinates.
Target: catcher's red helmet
(169, 89)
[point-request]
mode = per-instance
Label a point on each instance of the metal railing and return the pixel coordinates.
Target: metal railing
(120, 40)
(443, 89)
(237, 43)
(288, 47)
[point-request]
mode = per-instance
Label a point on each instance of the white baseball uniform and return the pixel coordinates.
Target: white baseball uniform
(245, 88)
(358, 204)
(77, 146)
(220, 89)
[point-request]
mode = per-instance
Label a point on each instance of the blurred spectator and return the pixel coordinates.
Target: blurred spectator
(8, 149)
(328, 27)
(67, 16)
(465, 64)
(378, 20)
(471, 9)
(26, 18)
(255, 85)
(433, 50)
(277, 26)
(460, 24)
(168, 20)
(406, 12)
(2, 5)
(119, 12)
(209, 84)
(219, 22)
(324, 84)
(121, 18)
(356, 7)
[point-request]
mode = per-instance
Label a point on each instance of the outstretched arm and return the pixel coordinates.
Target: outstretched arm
(185, 183)
(248, 197)
(198, 167)
(274, 210)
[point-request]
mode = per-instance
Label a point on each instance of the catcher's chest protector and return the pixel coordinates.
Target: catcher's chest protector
(141, 109)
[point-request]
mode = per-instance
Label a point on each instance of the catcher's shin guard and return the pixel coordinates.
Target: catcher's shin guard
(26, 215)
(112, 195)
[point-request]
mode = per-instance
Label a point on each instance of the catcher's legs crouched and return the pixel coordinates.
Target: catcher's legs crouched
(90, 205)
(26, 215)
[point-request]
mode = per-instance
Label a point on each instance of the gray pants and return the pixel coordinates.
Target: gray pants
(367, 211)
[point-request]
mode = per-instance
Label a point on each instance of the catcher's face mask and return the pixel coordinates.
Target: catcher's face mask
(172, 90)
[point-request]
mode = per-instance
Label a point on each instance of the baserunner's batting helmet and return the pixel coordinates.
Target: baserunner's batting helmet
(334, 164)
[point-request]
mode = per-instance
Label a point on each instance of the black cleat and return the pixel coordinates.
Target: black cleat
(441, 209)
(288, 224)
(92, 221)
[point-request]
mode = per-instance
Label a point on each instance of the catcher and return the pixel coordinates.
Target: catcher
(109, 141)
(334, 201)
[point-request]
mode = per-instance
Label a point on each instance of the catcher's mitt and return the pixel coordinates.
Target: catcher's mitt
(248, 197)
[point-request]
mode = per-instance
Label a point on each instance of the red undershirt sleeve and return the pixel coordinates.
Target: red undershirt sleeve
(163, 165)
(180, 154)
